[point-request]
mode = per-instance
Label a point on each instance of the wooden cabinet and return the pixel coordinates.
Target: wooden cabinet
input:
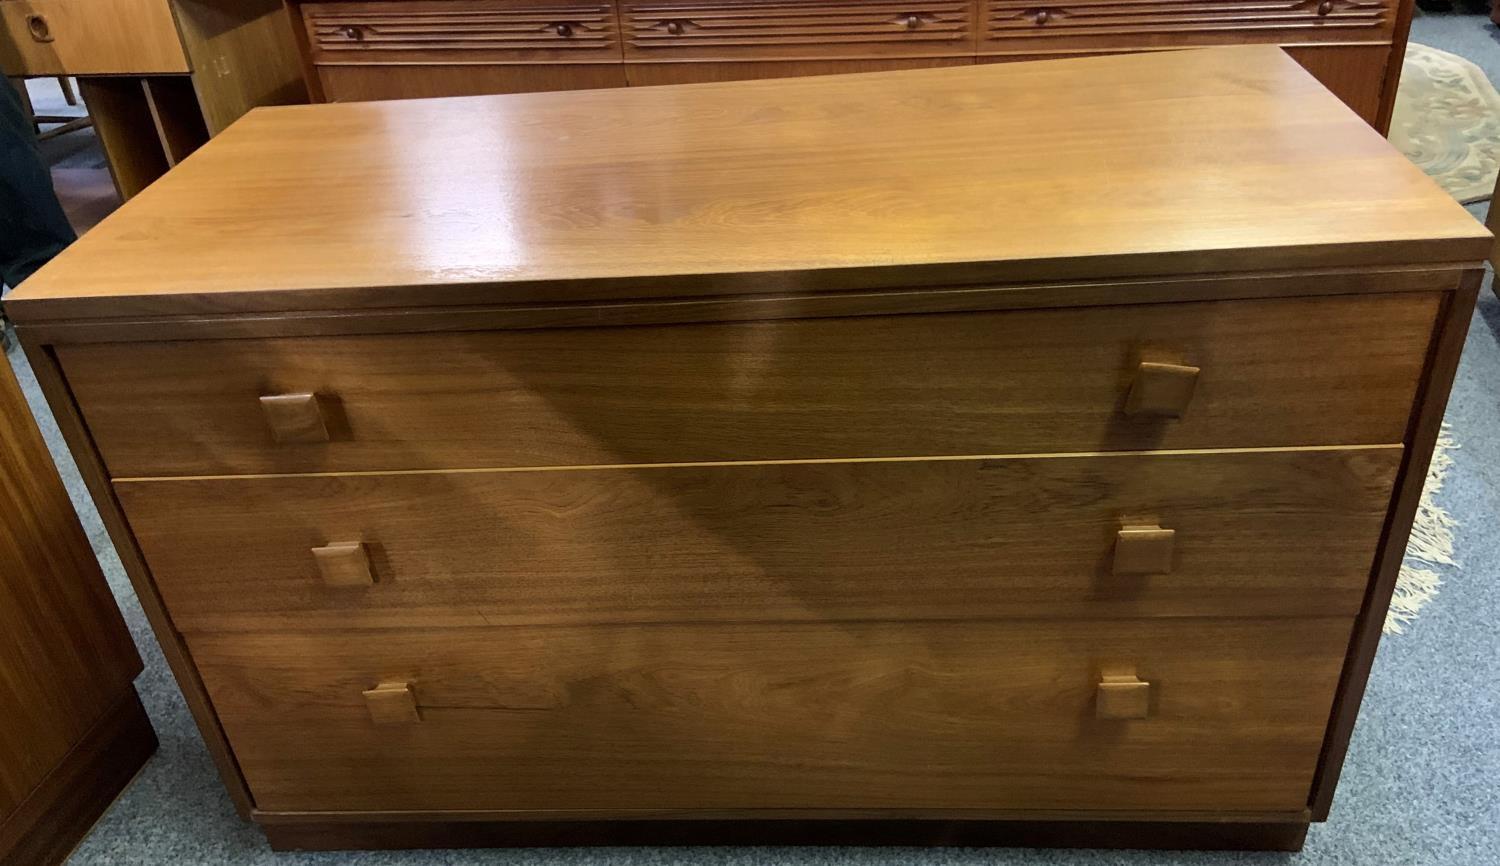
(690, 464)
(159, 76)
(73, 732)
(391, 49)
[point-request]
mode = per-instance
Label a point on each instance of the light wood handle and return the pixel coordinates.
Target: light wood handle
(1144, 550)
(1161, 389)
(1122, 696)
(295, 417)
(346, 563)
(393, 703)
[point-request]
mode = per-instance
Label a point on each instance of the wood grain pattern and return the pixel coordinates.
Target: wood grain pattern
(65, 411)
(1425, 427)
(1206, 161)
(60, 811)
(1319, 371)
(728, 30)
(243, 55)
(1024, 26)
(127, 132)
(90, 37)
(352, 83)
(1278, 533)
(66, 658)
(65, 655)
(461, 31)
(702, 717)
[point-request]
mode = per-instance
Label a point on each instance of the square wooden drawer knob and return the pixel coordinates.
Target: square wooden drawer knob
(344, 564)
(1144, 550)
(1162, 390)
(295, 417)
(1123, 697)
(393, 703)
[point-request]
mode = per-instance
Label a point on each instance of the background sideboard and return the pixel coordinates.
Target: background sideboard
(394, 49)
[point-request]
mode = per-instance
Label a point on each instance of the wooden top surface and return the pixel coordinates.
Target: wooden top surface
(1165, 163)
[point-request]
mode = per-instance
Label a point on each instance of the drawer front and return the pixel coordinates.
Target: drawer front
(1284, 372)
(89, 37)
(1024, 27)
(870, 715)
(462, 32)
(796, 29)
(1281, 533)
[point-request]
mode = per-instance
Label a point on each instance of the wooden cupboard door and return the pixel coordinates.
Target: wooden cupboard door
(924, 717)
(89, 37)
(415, 32)
(1024, 27)
(678, 30)
(1287, 533)
(1274, 373)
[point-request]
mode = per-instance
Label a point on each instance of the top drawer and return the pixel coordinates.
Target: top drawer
(1026, 27)
(462, 31)
(89, 37)
(796, 29)
(1281, 372)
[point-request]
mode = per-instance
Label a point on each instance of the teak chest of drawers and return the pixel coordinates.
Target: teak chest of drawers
(999, 454)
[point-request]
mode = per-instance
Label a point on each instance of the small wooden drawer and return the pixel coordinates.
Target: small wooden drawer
(678, 30)
(1024, 27)
(462, 32)
(1289, 533)
(1283, 372)
(1138, 715)
(89, 37)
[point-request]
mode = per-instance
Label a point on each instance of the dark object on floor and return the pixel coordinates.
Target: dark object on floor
(33, 227)
(74, 732)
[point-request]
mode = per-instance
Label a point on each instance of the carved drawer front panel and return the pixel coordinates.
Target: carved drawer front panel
(1031, 27)
(521, 31)
(791, 29)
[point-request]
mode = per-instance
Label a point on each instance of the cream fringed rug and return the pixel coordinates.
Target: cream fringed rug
(1431, 543)
(1447, 121)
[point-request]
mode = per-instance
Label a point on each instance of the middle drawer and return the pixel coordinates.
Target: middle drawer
(1251, 534)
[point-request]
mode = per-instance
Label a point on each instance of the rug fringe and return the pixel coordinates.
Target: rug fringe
(1431, 543)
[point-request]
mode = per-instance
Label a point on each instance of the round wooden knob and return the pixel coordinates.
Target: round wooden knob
(563, 30)
(674, 28)
(1325, 7)
(352, 32)
(913, 22)
(1043, 16)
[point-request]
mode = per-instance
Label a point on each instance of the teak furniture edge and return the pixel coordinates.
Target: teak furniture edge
(74, 731)
(1395, 240)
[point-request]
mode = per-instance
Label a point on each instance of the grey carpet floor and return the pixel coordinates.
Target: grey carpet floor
(1421, 785)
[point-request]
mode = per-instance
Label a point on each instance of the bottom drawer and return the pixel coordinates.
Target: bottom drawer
(870, 715)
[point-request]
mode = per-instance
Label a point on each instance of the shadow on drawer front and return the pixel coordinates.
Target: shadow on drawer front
(1278, 533)
(1138, 715)
(1286, 372)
